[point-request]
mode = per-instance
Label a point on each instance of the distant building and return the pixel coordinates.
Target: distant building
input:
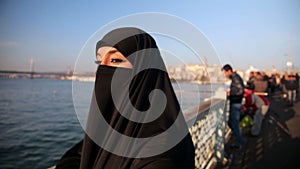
(200, 73)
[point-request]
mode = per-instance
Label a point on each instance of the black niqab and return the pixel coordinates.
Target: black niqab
(141, 50)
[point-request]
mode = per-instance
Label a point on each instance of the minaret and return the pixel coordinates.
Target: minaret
(205, 73)
(204, 61)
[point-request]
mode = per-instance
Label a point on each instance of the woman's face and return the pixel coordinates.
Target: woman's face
(110, 56)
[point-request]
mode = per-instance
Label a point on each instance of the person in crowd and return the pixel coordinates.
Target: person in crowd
(278, 81)
(130, 59)
(291, 87)
(284, 78)
(257, 106)
(235, 96)
(260, 85)
(250, 82)
(265, 76)
(272, 83)
(297, 85)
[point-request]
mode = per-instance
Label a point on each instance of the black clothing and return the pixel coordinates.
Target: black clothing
(119, 98)
(297, 81)
(291, 82)
(71, 159)
(236, 88)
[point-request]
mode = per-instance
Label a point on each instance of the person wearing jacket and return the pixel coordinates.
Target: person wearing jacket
(235, 96)
(291, 87)
(259, 106)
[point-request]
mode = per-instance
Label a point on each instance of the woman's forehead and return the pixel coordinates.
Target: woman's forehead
(105, 49)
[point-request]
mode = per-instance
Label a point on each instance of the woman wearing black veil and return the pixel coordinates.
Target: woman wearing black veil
(133, 100)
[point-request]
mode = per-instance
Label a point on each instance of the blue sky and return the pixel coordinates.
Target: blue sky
(52, 32)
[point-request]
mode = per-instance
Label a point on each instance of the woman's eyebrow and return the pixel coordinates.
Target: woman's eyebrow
(108, 52)
(112, 51)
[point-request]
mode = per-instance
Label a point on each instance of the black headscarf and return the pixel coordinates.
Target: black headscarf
(132, 96)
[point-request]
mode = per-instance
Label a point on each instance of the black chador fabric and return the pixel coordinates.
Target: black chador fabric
(131, 95)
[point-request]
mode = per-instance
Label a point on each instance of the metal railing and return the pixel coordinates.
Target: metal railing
(207, 125)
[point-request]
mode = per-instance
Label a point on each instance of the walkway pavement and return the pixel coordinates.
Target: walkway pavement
(277, 146)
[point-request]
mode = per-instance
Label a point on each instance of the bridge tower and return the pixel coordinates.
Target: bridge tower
(31, 68)
(289, 62)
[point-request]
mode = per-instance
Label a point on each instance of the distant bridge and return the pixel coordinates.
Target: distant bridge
(40, 73)
(31, 74)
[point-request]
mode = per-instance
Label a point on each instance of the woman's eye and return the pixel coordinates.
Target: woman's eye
(116, 60)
